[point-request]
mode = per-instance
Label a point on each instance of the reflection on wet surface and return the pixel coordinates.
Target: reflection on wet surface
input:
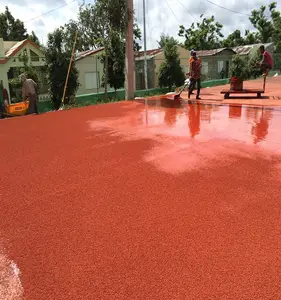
(195, 134)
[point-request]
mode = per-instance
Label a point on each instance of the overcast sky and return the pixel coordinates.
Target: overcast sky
(162, 15)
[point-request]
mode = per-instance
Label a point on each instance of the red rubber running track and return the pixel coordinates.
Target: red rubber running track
(120, 201)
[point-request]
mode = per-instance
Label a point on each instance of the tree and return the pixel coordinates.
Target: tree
(253, 65)
(57, 62)
(137, 37)
(251, 38)
(204, 36)
(276, 20)
(83, 42)
(101, 21)
(116, 63)
(268, 25)
(166, 39)
(28, 69)
(170, 71)
(262, 23)
(234, 39)
(11, 29)
(33, 37)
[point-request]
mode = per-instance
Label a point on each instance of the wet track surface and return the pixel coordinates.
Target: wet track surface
(144, 200)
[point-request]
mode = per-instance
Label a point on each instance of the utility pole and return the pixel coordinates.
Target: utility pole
(144, 45)
(130, 64)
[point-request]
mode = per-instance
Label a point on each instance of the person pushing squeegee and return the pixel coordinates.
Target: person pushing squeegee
(194, 76)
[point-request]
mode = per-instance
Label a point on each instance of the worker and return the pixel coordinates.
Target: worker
(267, 61)
(3, 100)
(189, 62)
(29, 90)
(195, 75)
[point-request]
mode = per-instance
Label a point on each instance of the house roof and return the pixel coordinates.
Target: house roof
(149, 53)
(212, 52)
(81, 55)
(244, 50)
(16, 48)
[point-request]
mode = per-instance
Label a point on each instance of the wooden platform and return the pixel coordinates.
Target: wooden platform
(244, 91)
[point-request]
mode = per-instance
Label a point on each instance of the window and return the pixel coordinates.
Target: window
(205, 67)
(220, 65)
(92, 80)
(34, 56)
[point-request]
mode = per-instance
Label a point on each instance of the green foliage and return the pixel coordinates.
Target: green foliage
(277, 61)
(28, 69)
(137, 37)
(267, 21)
(262, 23)
(204, 35)
(57, 62)
(254, 65)
(33, 37)
(15, 88)
(239, 68)
(236, 39)
(170, 71)
(233, 40)
(276, 20)
(116, 63)
(164, 38)
(82, 43)
(11, 29)
(251, 38)
(101, 21)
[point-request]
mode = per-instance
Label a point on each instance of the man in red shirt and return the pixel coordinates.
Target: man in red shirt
(267, 61)
(195, 75)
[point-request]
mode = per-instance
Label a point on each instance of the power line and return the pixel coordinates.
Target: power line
(233, 11)
(186, 9)
(171, 10)
(50, 11)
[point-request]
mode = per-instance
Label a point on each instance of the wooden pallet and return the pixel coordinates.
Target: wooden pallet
(244, 91)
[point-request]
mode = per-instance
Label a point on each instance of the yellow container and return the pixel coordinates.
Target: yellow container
(17, 109)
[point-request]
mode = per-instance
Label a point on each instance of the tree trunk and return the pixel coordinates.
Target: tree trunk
(105, 76)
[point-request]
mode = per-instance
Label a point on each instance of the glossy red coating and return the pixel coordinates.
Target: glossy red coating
(143, 200)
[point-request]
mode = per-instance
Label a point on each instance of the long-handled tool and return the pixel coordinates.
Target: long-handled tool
(69, 68)
(186, 83)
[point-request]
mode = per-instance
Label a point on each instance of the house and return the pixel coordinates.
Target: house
(10, 63)
(154, 59)
(215, 63)
(90, 68)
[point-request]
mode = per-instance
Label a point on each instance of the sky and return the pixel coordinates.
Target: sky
(162, 16)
